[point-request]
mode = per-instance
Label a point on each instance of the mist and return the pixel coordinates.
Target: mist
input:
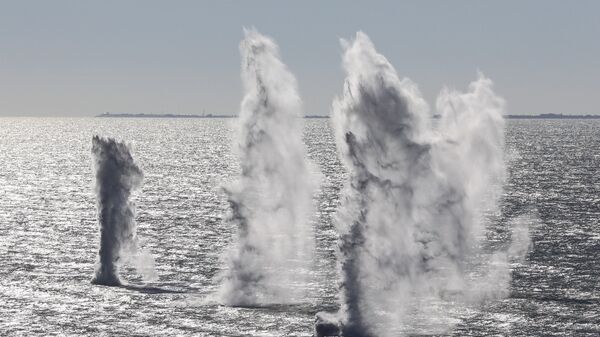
(414, 210)
(271, 203)
(117, 177)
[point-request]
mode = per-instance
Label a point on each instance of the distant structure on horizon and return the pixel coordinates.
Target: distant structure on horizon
(546, 116)
(144, 115)
(553, 116)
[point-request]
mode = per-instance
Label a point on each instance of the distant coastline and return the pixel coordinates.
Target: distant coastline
(552, 116)
(143, 115)
(547, 116)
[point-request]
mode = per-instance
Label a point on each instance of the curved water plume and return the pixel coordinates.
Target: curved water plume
(271, 203)
(412, 217)
(117, 176)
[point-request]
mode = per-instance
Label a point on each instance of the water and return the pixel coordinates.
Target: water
(49, 232)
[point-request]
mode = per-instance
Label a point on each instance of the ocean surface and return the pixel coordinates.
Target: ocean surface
(49, 233)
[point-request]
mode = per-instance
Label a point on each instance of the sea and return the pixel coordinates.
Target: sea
(49, 232)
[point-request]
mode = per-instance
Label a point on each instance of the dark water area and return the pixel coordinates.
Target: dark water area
(555, 171)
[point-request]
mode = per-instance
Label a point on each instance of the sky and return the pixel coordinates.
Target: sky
(82, 57)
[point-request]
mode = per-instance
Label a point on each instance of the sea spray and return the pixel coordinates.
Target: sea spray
(271, 203)
(412, 216)
(117, 176)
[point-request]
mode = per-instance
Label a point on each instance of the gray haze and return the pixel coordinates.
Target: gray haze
(412, 218)
(271, 204)
(80, 58)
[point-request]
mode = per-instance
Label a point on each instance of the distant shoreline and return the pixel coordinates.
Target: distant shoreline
(552, 116)
(142, 115)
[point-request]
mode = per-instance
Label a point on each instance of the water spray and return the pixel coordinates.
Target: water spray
(271, 203)
(117, 176)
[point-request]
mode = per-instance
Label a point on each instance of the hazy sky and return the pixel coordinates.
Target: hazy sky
(80, 58)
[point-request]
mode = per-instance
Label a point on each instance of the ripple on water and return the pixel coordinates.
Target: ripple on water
(49, 232)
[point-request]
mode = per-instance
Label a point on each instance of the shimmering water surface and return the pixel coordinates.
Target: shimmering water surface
(49, 234)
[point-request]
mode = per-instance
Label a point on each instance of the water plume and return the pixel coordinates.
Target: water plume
(271, 203)
(412, 222)
(117, 176)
